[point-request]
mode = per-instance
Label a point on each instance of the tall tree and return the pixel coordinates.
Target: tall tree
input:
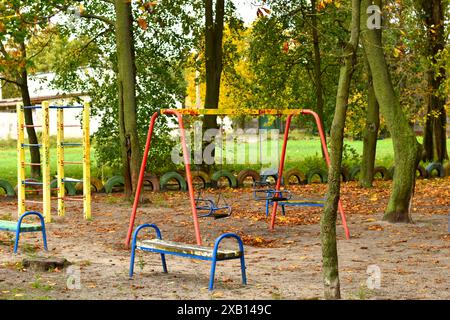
(435, 135)
(328, 220)
(320, 103)
(214, 26)
(126, 78)
(406, 148)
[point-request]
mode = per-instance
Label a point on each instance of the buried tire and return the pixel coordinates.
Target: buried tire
(8, 188)
(112, 182)
(247, 173)
(322, 174)
(96, 186)
(435, 166)
(382, 171)
(203, 177)
(167, 177)
(296, 174)
(223, 174)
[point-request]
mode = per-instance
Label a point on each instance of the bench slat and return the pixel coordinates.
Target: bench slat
(189, 249)
(12, 226)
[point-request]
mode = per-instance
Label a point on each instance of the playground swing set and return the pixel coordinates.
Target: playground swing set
(46, 185)
(198, 251)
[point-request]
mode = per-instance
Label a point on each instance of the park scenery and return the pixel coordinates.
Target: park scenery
(224, 150)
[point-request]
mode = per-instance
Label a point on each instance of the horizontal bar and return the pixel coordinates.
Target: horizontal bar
(72, 162)
(234, 112)
(34, 201)
(71, 126)
(67, 107)
(64, 144)
(70, 180)
(38, 145)
(30, 164)
(32, 126)
(32, 107)
(72, 199)
(32, 183)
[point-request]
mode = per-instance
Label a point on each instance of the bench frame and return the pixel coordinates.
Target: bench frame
(213, 259)
(18, 230)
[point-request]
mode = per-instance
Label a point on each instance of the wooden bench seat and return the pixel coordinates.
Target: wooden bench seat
(187, 249)
(193, 251)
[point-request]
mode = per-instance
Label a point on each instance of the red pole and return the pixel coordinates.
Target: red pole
(327, 159)
(141, 178)
(281, 167)
(187, 165)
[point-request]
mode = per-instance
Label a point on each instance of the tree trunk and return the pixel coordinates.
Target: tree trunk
(126, 77)
(214, 61)
(28, 114)
(435, 139)
(370, 134)
(317, 63)
(328, 220)
(406, 148)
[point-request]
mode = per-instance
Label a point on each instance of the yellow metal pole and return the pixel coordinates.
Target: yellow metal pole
(86, 161)
(236, 112)
(46, 162)
(60, 161)
(20, 160)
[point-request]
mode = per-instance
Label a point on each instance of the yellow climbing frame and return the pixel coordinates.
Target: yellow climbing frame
(86, 163)
(45, 163)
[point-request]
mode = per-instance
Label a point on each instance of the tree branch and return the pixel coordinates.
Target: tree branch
(109, 22)
(10, 81)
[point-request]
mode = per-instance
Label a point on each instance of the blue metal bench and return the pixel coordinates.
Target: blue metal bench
(284, 199)
(19, 227)
(164, 247)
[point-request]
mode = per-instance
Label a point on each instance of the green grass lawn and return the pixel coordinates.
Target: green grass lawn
(298, 151)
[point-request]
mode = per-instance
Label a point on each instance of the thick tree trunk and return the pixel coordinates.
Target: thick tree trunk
(435, 139)
(317, 63)
(406, 148)
(328, 220)
(126, 77)
(370, 134)
(28, 114)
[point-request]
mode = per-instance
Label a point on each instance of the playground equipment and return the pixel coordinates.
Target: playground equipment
(164, 247)
(219, 112)
(62, 182)
(291, 114)
(22, 182)
(19, 227)
(86, 162)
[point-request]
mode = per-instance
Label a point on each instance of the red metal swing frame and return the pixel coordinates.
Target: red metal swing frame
(196, 112)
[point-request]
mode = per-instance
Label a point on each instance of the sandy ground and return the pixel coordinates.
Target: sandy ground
(414, 260)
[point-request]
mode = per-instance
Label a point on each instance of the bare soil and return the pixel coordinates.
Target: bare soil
(414, 259)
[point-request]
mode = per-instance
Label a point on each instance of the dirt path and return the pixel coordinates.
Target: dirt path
(414, 260)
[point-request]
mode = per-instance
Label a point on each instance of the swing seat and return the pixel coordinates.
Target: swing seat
(210, 209)
(272, 195)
